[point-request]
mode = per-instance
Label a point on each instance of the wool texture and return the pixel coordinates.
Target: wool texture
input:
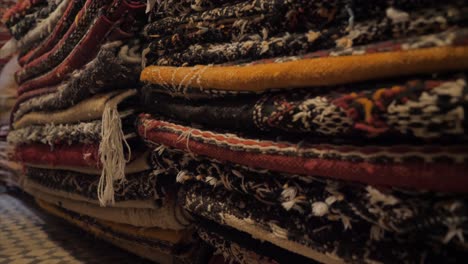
(403, 165)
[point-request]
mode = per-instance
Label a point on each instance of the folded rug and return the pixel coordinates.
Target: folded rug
(8, 88)
(323, 241)
(68, 17)
(57, 64)
(262, 37)
(428, 54)
(429, 108)
(33, 27)
(75, 32)
(10, 171)
(50, 134)
(176, 8)
(43, 28)
(88, 110)
(71, 148)
(115, 67)
(33, 185)
(4, 33)
(143, 185)
(151, 243)
(157, 10)
(238, 247)
(19, 10)
(317, 197)
(132, 209)
(401, 165)
(318, 14)
(85, 158)
(29, 21)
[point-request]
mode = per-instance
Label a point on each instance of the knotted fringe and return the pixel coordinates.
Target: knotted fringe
(111, 151)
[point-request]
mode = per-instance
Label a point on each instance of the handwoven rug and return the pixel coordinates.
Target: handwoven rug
(242, 248)
(329, 241)
(398, 165)
(168, 218)
(321, 198)
(141, 241)
(418, 108)
(59, 30)
(420, 55)
(115, 67)
(104, 28)
(244, 32)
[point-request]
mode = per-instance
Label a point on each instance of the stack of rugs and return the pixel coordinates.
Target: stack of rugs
(302, 131)
(244, 131)
(4, 33)
(72, 126)
(9, 170)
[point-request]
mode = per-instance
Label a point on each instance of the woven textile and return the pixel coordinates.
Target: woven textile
(330, 242)
(246, 131)
(327, 130)
(140, 186)
(316, 196)
(367, 110)
(294, 201)
(59, 31)
(115, 67)
(72, 127)
(73, 36)
(4, 34)
(8, 88)
(10, 171)
(405, 165)
(323, 69)
(130, 238)
(265, 37)
(78, 55)
(237, 247)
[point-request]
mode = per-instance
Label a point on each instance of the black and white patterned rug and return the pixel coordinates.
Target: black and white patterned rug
(29, 236)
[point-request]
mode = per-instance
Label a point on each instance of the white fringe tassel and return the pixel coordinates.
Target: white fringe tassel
(111, 151)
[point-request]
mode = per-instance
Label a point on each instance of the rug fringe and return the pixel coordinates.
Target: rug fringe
(111, 151)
